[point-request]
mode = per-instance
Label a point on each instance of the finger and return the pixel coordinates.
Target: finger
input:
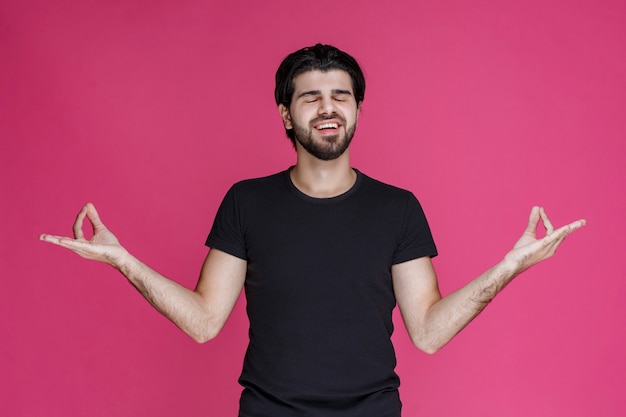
(94, 218)
(50, 238)
(562, 232)
(577, 225)
(76, 245)
(57, 240)
(78, 223)
(546, 221)
(81, 247)
(66, 242)
(533, 221)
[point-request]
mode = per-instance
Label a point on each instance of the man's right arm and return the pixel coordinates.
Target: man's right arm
(200, 313)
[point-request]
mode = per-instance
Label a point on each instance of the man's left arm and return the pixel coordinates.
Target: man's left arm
(432, 321)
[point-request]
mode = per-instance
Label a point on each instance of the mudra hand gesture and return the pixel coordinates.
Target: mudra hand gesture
(103, 246)
(530, 250)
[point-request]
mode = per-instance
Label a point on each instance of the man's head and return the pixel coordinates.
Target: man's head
(320, 58)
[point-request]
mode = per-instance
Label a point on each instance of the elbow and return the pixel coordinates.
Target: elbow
(427, 345)
(427, 348)
(430, 349)
(202, 337)
(204, 334)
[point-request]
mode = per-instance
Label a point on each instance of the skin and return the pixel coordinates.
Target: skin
(431, 320)
(316, 110)
(317, 95)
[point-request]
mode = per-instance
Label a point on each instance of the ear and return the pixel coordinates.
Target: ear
(285, 115)
(358, 110)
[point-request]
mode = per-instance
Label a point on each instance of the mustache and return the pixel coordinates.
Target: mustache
(328, 117)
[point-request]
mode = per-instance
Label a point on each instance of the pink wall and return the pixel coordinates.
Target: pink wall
(153, 109)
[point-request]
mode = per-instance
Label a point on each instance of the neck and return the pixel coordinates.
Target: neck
(323, 179)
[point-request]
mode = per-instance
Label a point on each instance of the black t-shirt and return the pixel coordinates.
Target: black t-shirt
(319, 293)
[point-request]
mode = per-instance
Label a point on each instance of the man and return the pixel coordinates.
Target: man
(324, 253)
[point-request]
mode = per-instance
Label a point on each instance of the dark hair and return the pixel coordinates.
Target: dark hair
(319, 57)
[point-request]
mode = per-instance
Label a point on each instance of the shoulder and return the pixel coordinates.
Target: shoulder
(260, 184)
(382, 189)
(256, 192)
(393, 199)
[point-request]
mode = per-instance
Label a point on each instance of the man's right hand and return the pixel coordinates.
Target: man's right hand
(103, 246)
(200, 313)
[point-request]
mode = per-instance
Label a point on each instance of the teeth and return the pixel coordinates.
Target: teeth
(328, 126)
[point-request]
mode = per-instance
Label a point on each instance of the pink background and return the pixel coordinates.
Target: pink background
(152, 109)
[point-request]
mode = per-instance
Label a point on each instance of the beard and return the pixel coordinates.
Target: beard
(327, 148)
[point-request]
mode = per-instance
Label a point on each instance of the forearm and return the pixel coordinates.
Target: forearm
(432, 321)
(448, 316)
(184, 307)
(200, 313)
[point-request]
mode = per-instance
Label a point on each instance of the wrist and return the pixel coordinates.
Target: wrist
(122, 261)
(510, 267)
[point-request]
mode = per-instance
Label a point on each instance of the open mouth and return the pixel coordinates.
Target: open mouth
(327, 126)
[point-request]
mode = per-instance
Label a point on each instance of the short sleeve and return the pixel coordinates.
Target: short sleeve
(227, 231)
(416, 240)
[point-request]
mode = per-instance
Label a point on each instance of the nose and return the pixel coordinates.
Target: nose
(327, 106)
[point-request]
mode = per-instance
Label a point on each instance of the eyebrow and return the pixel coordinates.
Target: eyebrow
(318, 92)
